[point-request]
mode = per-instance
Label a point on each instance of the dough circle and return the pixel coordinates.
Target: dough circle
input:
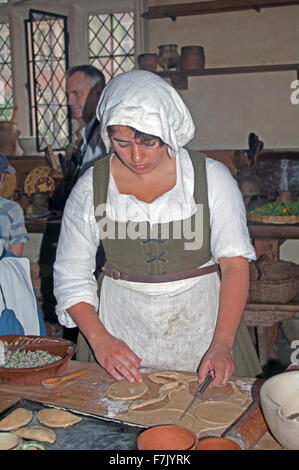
(125, 390)
(218, 413)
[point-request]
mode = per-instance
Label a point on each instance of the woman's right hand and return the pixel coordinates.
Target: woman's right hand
(117, 358)
(112, 353)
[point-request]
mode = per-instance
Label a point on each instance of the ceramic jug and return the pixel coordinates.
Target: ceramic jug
(168, 56)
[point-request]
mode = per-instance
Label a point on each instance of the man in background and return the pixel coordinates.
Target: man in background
(84, 86)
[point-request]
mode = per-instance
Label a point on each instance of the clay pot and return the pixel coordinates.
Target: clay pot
(192, 58)
(40, 203)
(168, 56)
(167, 437)
(217, 443)
(148, 62)
(9, 134)
(34, 375)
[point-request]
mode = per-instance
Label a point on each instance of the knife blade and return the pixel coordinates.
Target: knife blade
(200, 390)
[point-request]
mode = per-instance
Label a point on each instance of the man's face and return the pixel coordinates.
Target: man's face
(78, 87)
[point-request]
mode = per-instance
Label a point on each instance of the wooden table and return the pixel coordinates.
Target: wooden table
(267, 317)
(87, 394)
(263, 317)
(267, 237)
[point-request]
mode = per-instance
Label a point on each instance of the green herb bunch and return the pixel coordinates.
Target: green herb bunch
(278, 208)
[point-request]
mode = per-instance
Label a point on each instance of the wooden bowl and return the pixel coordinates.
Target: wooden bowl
(217, 443)
(167, 437)
(34, 375)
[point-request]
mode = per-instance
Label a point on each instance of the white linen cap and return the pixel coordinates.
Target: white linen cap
(146, 102)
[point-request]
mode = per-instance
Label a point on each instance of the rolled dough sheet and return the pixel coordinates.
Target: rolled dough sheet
(125, 390)
(219, 413)
(205, 414)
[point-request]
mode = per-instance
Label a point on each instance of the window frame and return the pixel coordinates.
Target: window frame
(114, 57)
(31, 67)
(12, 105)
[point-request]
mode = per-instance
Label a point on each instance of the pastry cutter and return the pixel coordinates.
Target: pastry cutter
(200, 390)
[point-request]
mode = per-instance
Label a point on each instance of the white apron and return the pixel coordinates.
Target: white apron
(169, 325)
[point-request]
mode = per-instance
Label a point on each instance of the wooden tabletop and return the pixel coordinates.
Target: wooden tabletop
(279, 231)
(87, 394)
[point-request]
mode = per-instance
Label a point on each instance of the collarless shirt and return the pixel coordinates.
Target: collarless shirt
(79, 237)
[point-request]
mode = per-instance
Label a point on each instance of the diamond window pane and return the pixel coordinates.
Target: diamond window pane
(111, 42)
(6, 91)
(47, 66)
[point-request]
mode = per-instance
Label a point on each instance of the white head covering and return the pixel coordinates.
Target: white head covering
(146, 102)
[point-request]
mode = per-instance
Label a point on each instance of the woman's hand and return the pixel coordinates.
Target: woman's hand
(219, 358)
(111, 353)
(117, 358)
(233, 297)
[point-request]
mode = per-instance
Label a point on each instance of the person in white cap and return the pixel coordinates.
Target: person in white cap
(168, 218)
(12, 224)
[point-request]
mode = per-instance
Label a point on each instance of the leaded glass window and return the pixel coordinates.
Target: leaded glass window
(111, 42)
(6, 87)
(48, 61)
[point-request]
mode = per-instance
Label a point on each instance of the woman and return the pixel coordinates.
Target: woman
(169, 220)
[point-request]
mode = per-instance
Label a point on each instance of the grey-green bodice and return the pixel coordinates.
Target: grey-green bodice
(160, 249)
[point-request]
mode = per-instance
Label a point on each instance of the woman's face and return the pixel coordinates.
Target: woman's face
(139, 155)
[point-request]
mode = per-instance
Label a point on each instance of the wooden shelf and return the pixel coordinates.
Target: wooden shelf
(231, 70)
(215, 6)
(179, 78)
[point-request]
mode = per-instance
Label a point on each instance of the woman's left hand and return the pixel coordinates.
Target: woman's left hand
(219, 358)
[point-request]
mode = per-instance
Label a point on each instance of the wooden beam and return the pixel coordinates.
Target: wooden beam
(215, 6)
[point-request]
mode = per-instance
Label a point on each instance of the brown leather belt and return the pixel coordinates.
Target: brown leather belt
(110, 271)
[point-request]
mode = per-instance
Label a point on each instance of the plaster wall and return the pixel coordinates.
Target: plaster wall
(227, 108)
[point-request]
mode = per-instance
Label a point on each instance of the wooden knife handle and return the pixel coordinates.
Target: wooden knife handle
(249, 428)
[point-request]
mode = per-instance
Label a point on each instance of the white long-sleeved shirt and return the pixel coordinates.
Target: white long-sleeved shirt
(171, 324)
(80, 235)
